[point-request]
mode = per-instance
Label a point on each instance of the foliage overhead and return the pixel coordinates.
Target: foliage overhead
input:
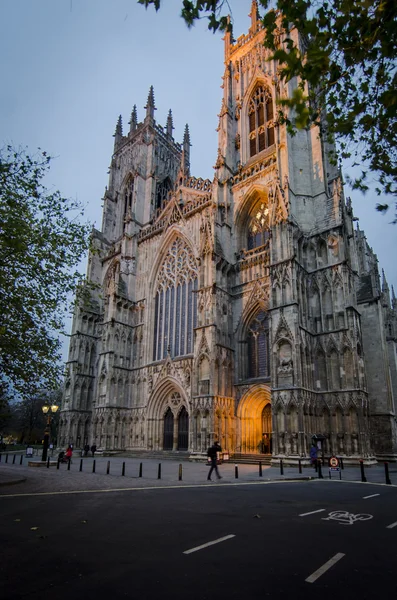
(347, 72)
(41, 244)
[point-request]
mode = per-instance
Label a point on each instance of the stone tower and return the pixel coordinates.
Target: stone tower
(243, 309)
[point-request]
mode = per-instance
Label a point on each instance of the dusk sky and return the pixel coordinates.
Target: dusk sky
(70, 67)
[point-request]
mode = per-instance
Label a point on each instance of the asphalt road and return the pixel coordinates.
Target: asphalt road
(144, 543)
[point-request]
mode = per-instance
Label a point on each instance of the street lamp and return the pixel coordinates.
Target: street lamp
(48, 410)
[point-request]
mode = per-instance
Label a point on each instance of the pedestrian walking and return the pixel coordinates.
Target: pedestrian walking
(313, 456)
(212, 453)
(93, 449)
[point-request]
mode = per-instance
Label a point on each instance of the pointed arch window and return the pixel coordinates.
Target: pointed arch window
(128, 196)
(175, 303)
(162, 189)
(260, 117)
(258, 227)
(258, 346)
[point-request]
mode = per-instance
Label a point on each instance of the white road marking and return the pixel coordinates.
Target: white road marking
(150, 488)
(392, 525)
(313, 512)
(346, 518)
(371, 496)
(330, 563)
(222, 539)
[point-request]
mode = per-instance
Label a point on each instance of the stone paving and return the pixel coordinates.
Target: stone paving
(41, 480)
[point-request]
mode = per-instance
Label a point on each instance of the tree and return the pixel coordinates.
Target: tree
(41, 244)
(346, 69)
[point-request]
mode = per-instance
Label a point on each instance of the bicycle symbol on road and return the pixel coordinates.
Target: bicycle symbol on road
(346, 518)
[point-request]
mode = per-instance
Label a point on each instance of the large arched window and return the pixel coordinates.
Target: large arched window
(162, 189)
(260, 116)
(258, 227)
(258, 346)
(175, 303)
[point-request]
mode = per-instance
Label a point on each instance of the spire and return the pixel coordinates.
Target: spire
(133, 122)
(254, 14)
(150, 107)
(169, 126)
(228, 37)
(185, 158)
(186, 139)
(393, 298)
(384, 282)
(118, 134)
(385, 290)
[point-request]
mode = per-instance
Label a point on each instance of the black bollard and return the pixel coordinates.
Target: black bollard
(281, 467)
(21, 459)
(6, 458)
(387, 473)
(69, 461)
(260, 469)
(236, 471)
(300, 466)
(363, 478)
(93, 466)
(81, 465)
(48, 463)
(58, 461)
(320, 472)
(159, 472)
(140, 469)
(123, 470)
(0, 457)
(341, 463)
(13, 460)
(180, 473)
(108, 468)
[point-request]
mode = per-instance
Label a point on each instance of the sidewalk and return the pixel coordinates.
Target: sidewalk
(62, 479)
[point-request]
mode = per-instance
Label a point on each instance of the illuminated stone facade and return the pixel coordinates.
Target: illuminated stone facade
(246, 308)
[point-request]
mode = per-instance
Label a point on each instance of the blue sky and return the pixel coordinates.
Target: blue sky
(70, 67)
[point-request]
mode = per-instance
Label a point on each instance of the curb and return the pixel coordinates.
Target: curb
(12, 481)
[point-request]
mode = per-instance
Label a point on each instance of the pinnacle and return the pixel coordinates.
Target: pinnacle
(186, 136)
(119, 127)
(150, 99)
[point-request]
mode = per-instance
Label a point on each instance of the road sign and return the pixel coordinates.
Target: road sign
(333, 462)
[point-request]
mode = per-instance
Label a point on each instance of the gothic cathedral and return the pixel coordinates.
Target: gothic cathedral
(246, 309)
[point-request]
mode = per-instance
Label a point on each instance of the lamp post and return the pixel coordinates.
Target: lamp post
(48, 410)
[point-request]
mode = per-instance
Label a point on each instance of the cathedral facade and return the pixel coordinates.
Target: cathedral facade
(247, 309)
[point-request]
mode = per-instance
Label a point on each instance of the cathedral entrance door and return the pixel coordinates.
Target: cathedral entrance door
(183, 430)
(168, 430)
(267, 429)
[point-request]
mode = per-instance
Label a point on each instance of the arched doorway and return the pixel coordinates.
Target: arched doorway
(255, 419)
(168, 430)
(183, 430)
(267, 429)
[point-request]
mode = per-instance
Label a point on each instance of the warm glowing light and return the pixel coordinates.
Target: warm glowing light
(45, 409)
(54, 408)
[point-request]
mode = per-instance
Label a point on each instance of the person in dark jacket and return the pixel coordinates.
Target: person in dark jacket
(313, 456)
(93, 449)
(212, 453)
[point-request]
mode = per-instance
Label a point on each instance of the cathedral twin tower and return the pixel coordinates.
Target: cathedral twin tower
(245, 309)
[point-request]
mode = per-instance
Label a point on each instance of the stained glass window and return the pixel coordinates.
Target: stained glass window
(258, 227)
(175, 303)
(260, 119)
(258, 346)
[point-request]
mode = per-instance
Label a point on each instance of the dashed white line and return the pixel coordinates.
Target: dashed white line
(392, 525)
(330, 563)
(313, 512)
(222, 539)
(371, 496)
